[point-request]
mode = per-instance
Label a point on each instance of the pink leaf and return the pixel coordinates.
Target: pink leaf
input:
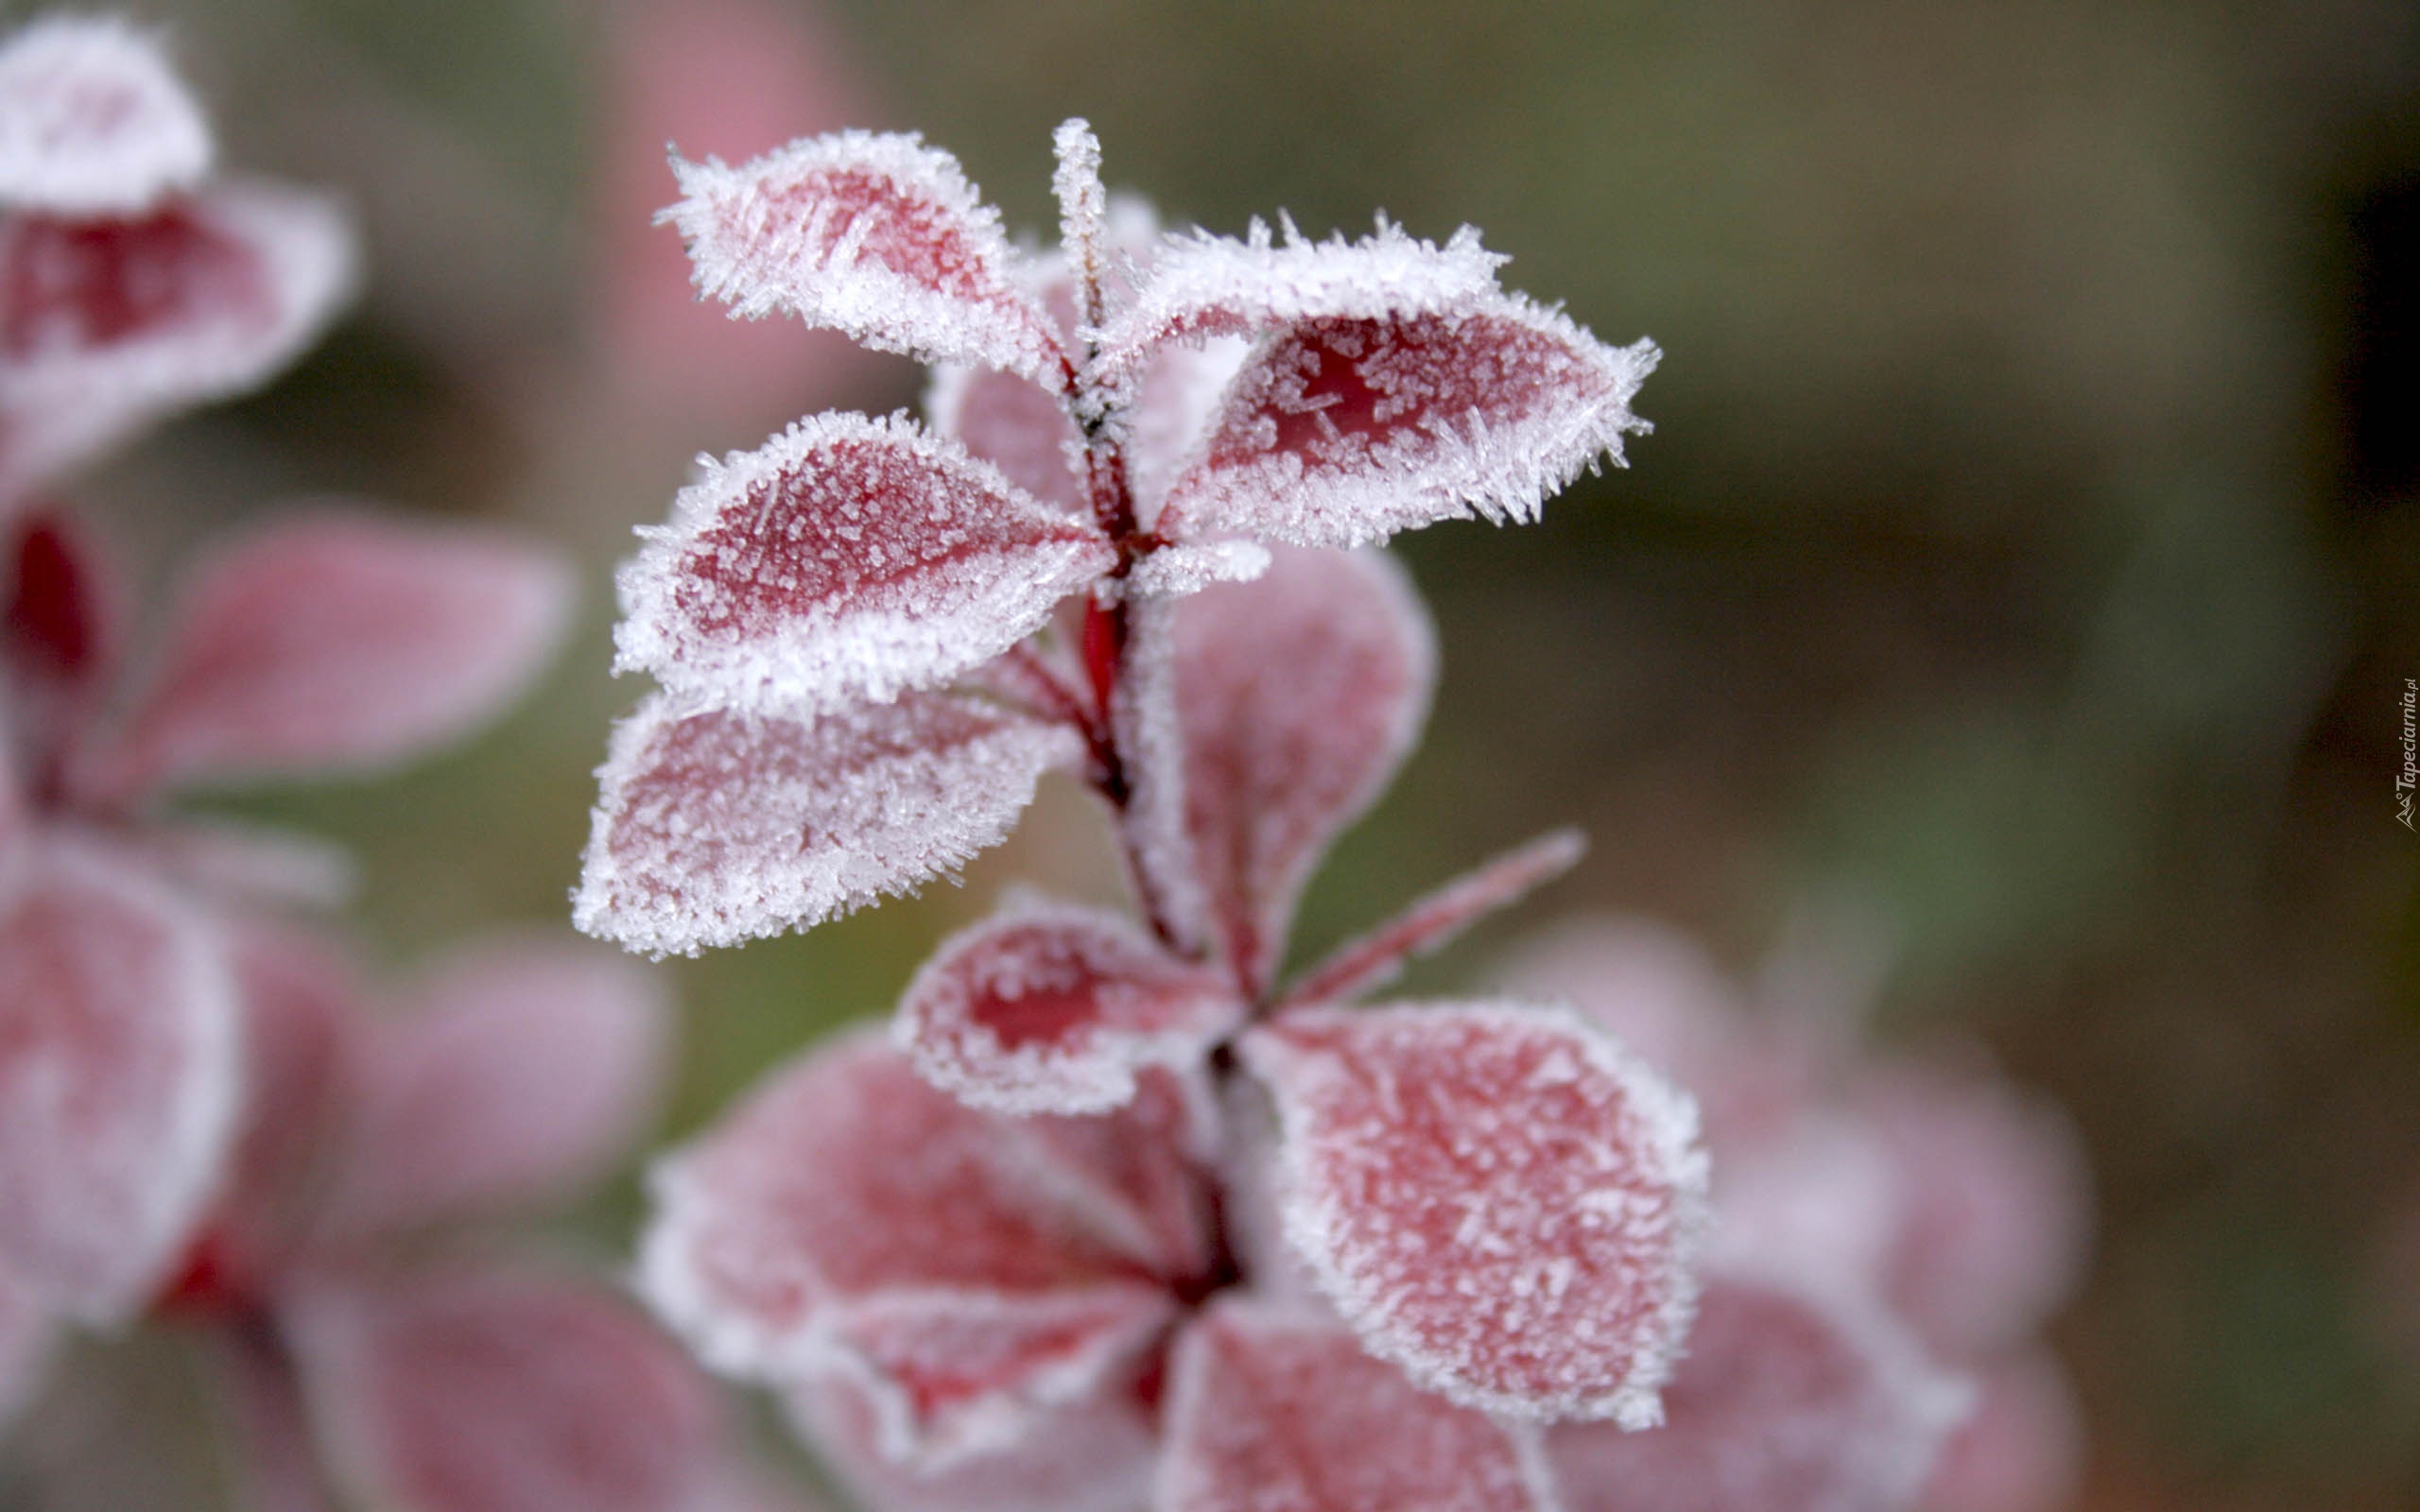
(496, 1391)
(1341, 432)
(848, 557)
(106, 325)
(2022, 1450)
(94, 121)
(253, 866)
(1783, 1404)
(1377, 958)
(1091, 1456)
(117, 1080)
(520, 1076)
(339, 642)
(850, 1217)
(718, 827)
(1497, 1199)
(1054, 1008)
(879, 236)
(1298, 695)
(1137, 1174)
(1995, 1212)
(1018, 427)
(1271, 1411)
(1201, 285)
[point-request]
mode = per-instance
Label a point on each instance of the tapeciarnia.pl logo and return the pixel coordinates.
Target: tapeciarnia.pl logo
(2409, 777)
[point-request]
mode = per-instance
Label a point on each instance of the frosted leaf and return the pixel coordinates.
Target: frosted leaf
(1180, 390)
(1341, 432)
(1995, 1212)
(340, 642)
(486, 1390)
(1093, 1455)
(717, 827)
(520, 1076)
(1377, 957)
(1785, 1403)
(94, 121)
(106, 325)
(1174, 571)
(1053, 1008)
(1277, 1411)
(848, 1217)
(117, 1081)
(1021, 429)
(876, 235)
(847, 558)
(1297, 696)
(2022, 1448)
(1201, 285)
(1496, 1198)
(1135, 1175)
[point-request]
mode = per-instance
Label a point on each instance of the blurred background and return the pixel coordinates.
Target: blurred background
(2027, 556)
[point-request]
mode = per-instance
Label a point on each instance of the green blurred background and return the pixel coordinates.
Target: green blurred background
(2028, 553)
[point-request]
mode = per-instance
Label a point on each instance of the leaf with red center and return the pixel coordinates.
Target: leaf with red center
(1995, 1214)
(848, 557)
(1340, 431)
(336, 642)
(518, 1077)
(106, 325)
(118, 1064)
(717, 827)
(1785, 1403)
(1496, 1198)
(876, 235)
(496, 1391)
(1297, 694)
(1053, 1009)
(851, 1217)
(2020, 1450)
(1092, 1455)
(1278, 1411)
(1203, 285)
(1377, 958)
(94, 121)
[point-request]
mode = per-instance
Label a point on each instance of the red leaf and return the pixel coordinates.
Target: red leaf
(848, 557)
(879, 236)
(59, 621)
(339, 642)
(93, 120)
(1271, 1411)
(1783, 1404)
(1376, 958)
(519, 1077)
(1092, 1455)
(106, 325)
(1298, 695)
(1496, 1198)
(118, 1063)
(2021, 1451)
(496, 1391)
(717, 827)
(850, 1217)
(1341, 432)
(1053, 1008)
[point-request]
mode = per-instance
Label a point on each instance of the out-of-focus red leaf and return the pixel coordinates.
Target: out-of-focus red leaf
(2022, 1448)
(1498, 1197)
(500, 1391)
(1341, 432)
(94, 120)
(876, 235)
(335, 642)
(519, 1077)
(1784, 1402)
(1014, 424)
(1297, 696)
(1091, 1456)
(25, 1348)
(1270, 1411)
(1054, 1008)
(850, 1217)
(118, 1077)
(848, 557)
(718, 827)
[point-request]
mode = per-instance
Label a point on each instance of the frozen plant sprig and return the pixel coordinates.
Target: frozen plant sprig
(1041, 1249)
